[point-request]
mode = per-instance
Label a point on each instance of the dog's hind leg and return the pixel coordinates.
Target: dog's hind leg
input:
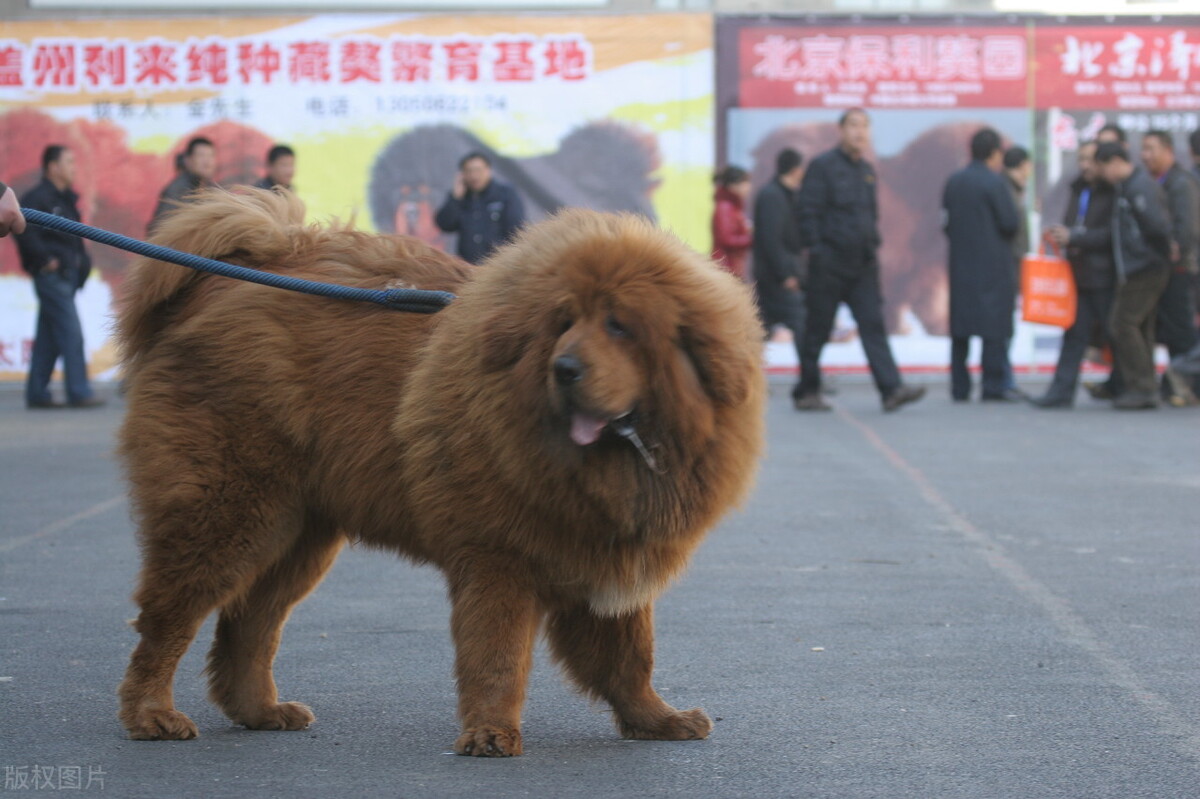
(612, 658)
(249, 629)
(205, 540)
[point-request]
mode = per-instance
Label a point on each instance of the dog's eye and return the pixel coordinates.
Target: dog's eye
(566, 324)
(615, 328)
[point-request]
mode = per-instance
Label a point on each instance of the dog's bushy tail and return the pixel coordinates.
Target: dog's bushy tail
(253, 227)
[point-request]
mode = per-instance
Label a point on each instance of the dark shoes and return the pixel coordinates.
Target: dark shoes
(810, 402)
(1135, 401)
(1099, 391)
(903, 395)
(44, 405)
(90, 402)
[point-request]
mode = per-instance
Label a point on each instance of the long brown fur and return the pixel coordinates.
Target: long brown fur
(266, 427)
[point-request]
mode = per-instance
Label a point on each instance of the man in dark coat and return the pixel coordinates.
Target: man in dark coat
(484, 212)
(197, 170)
(59, 265)
(1176, 326)
(777, 267)
(1086, 235)
(980, 221)
(1141, 232)
(839, 223)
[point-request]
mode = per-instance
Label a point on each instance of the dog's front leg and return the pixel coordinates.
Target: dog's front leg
(494, 620)
(612, 658)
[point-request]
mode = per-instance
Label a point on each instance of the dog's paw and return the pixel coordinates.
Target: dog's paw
(161, 725)
(283, 716)
(684, 725)
(489, 742)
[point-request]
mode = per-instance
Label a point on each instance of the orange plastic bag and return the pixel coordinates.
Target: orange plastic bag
(1047, 289)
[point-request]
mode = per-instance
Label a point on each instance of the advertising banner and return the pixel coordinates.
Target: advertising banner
(1139, 77)
(927, 88)
(609, 112)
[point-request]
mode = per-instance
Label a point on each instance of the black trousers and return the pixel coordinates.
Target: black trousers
(1094, 307)
(824, 293)
(996, 368)
(782, 307)
(1177, 314)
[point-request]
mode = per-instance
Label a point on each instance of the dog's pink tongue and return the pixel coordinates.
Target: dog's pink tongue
(586, 429)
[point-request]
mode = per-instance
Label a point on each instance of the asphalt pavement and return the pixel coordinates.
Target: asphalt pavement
(954, 600)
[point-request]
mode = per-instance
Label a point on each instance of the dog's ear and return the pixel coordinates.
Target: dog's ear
(724, 366)
(507, 339)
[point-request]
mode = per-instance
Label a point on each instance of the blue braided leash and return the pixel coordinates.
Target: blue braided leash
(411, 300)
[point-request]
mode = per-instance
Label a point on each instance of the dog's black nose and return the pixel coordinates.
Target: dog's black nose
(568, 369)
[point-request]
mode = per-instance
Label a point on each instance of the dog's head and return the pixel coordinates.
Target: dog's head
(617, 334)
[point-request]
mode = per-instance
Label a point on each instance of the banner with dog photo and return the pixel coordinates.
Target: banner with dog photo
(608, 112)
(927, 86)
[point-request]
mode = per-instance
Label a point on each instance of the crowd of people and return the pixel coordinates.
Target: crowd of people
(1131, 234)
(59, 264)
(809, 241)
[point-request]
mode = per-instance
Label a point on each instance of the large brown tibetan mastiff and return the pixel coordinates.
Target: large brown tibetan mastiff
(557, 441)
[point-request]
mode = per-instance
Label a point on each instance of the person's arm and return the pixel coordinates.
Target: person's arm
(1092, 239)
(814, 191)
(1148, 204)
(1004, 210)
(33, 243)
(946, 206)
(770, 217)
(729, 232)
(449, 216)
(514, 215)
(11, 218)
(1184, 213)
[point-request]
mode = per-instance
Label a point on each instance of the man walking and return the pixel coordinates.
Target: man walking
(1176, 326)
(484, 212)
(980, 221)
(777, 268)
(1141, 236)
(198, 170)
(59, 265)
(1086, 235)
(839, 222)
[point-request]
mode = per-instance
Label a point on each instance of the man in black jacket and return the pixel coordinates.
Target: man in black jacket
(197, 170)
(839, 222)
(484, 212)
(1177, 307)
(1086, 235)
(59, 265)
(1141, 236)
(777, 268)
(980, 222)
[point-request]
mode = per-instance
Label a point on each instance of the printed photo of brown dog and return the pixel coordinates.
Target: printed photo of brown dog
(557, 442)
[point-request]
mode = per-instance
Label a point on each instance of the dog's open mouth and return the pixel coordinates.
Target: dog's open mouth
(586, 429)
